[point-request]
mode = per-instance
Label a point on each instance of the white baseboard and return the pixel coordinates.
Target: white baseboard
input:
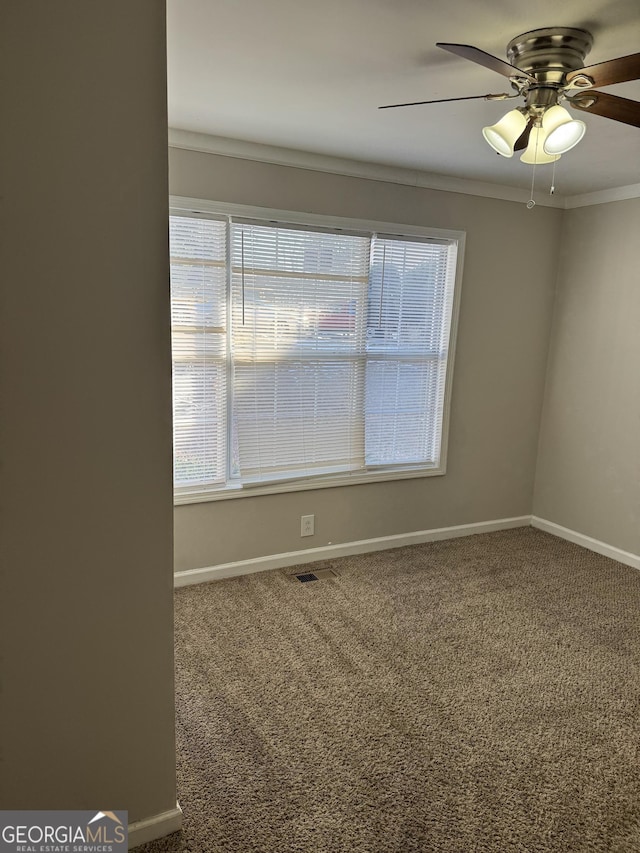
(154, 827)
(345, 549)
(596, 545)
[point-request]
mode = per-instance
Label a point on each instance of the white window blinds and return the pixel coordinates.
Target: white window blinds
(298, 308)
(199, 343)
(409, 317)
(305, 352)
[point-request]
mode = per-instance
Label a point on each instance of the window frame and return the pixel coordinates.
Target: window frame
(185, 206)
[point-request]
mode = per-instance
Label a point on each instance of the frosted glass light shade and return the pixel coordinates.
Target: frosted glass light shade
(535, 152)
(504, 135)
(561, 131)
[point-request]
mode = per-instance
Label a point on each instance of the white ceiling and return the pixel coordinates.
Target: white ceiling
(310, 76)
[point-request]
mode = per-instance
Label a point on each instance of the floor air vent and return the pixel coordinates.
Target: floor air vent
(317, 575)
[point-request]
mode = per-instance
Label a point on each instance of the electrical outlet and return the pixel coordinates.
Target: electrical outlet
(307, 525)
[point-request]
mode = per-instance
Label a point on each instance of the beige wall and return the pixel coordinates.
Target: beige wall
(588, 476)
(85, 431)
(505, 317)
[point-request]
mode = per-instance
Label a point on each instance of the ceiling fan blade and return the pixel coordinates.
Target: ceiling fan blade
(501, 97)
(608, 106)
(607, 73)
(467, 51)
(523, 140)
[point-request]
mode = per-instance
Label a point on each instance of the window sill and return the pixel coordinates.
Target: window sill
(205, 496)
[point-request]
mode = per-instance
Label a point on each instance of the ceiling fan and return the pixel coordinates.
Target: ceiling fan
(546, 68)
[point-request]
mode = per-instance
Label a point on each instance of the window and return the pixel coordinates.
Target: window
(306, 355)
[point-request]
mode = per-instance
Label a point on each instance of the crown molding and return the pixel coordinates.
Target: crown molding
(238, 148)
(603, 196)
(243, 150)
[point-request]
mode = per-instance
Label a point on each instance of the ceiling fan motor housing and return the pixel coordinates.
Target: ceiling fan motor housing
(550, 53)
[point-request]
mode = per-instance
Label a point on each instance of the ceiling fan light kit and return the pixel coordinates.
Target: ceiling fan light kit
(549, 137)
(547, 66)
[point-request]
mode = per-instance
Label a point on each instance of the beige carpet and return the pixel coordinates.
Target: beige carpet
(480, 694)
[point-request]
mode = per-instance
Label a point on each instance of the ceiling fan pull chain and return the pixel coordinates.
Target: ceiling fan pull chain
(553, 179)
(531, 203)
